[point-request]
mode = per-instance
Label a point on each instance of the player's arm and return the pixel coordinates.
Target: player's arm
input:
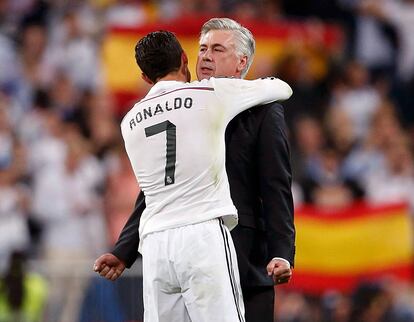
(275, 177)
(238, 95)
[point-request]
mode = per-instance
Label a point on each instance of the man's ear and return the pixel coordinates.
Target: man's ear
(242, 64)
(184, 62)
(184, 67)
(146, 79)
(184, 58)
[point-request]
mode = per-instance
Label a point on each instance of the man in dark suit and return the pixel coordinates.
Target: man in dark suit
(259, 172)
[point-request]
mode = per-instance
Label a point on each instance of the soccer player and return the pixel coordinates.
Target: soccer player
(174, 138)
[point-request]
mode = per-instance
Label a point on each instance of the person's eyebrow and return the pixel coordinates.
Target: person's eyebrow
(213, 46)
(219, 45)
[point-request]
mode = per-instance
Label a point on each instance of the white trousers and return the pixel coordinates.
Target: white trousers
(190, 273)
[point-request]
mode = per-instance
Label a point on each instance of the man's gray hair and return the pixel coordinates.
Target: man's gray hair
(245, 44)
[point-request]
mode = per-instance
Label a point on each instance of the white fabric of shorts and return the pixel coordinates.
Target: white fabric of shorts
(190, 273)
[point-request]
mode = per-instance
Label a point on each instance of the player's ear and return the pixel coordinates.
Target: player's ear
(184, 59)
(242, 63)
(146, 79)
(184, 66)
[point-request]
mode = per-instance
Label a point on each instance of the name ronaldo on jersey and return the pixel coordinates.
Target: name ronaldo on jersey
(150, 111)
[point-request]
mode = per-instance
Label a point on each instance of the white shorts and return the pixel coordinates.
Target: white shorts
(190, 273)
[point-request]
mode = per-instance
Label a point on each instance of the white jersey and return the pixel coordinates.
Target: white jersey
(174, 138)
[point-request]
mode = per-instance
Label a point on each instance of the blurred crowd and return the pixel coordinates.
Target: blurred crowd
(66, 186)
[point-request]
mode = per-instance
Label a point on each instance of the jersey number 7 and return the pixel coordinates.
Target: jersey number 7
(171, 147)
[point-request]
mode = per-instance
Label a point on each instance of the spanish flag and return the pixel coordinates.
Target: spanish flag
(337, 249)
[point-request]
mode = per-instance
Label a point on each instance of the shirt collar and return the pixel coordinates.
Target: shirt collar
(163, 86)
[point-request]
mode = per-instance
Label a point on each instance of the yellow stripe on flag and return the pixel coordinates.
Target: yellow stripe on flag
(122, 73)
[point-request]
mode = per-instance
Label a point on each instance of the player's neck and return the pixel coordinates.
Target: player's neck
(174, 76)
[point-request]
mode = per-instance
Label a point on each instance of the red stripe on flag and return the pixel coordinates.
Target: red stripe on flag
(317, 284)
(357, 210)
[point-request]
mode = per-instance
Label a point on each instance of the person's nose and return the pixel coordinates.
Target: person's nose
(206, 55)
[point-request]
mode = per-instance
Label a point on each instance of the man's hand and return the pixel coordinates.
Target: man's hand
(280, 271)
(109, 266)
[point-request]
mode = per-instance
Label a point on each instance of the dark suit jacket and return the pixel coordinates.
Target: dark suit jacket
(259, 172)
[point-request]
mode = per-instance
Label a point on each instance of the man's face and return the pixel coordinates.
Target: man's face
(217, 56)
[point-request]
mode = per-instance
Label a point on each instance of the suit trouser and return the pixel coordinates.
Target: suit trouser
(259, 303)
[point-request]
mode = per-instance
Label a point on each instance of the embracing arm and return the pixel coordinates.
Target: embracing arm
(237, 95)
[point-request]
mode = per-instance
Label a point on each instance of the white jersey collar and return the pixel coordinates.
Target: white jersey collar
(163, 86)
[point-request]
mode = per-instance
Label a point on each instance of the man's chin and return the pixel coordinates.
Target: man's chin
(205, 74)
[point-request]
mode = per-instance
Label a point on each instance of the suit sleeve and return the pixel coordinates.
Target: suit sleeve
(275, 184)
(126, 248)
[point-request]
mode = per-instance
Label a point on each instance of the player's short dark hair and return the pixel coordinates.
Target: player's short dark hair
(158, 54)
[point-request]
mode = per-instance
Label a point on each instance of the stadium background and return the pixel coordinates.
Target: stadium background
(67, 76)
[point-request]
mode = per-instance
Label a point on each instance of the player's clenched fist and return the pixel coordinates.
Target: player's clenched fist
(109, 266)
